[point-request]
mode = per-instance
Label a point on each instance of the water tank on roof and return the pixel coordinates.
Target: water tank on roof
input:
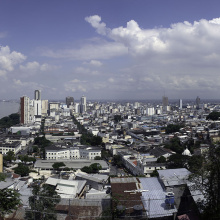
(138, 210)
(169, 200)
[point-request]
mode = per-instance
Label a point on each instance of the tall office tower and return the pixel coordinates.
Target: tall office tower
(37, 105)
(37, 95)
(150, 111)
(44, 107)
(165, 101)
(83, 104)
(136, 105)
(69, 101)
(197, 102)
(180, 104)
(76, 107)
(24, 110)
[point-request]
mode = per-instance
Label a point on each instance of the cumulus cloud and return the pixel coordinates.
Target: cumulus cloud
(35, 66)
(180, 38)
(95, 21)
(95, 63)
(9, 59)
(93, 51)
(76, 85)
(85, 71)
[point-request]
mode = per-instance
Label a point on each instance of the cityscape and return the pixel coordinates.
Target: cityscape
(109, 110)
(91, 153)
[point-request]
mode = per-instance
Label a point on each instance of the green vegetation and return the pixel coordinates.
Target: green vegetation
(117, 160)
(154, 174)
(90, 139)
(117, 118)
(58, 165)
(42, 203)
(161, 159)
(42, 143)
(175, 145)
(171, 128)
(22, 170)
(93, 168)
(206, 177)
(87, 138)
(213, 116)
(97, 158)
(8, 121)
(26, 158)
(177, 161)
(10, 201)
(9, 156)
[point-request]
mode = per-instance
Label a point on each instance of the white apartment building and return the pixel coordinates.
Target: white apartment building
(81, 152)
(14, 147)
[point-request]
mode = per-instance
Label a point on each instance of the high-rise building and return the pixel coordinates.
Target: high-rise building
(44, 107)
(83, 104)
(197, 102)
(37, 95)
(165, 101)
(24, 110)
(69, 101)
(37, 105)
(180, 104)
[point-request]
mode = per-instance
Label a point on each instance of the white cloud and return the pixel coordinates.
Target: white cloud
(85, 71)
(95, 21)
(94, 63)
(93, 51)
(9, 59)
(111, 80)
(34, 66)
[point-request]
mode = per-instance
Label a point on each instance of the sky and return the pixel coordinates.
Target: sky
(110, 49)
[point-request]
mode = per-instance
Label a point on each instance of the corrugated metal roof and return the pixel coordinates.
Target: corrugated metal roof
(154, 198)
(124, 180)
(174, 177)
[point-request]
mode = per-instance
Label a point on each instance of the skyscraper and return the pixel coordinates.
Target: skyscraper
(69, 101)
(37, 104)
(24, 110)
(197, 101)
(37, 95)
(165, 101)
(180, 104)
(83, 104)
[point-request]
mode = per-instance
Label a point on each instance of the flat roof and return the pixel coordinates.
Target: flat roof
(75, 164)
(154, 198)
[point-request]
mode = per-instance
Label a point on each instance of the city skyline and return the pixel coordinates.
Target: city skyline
(110, 50)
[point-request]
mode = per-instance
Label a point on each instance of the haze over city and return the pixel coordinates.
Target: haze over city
(110, 49)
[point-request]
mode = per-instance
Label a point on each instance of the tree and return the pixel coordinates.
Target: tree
(117, 160)
(117, 118)
(22, 170)
(42, 203)
(93, 168)
(177, 161)
(161, 159)
(10, 155)
(58, 165)
(171, 128)
(8, 121)
(9, 199)
(26, 158)
(97, 158)
(213, 116)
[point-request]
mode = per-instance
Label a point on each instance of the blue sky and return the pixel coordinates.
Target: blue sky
(118, 49)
